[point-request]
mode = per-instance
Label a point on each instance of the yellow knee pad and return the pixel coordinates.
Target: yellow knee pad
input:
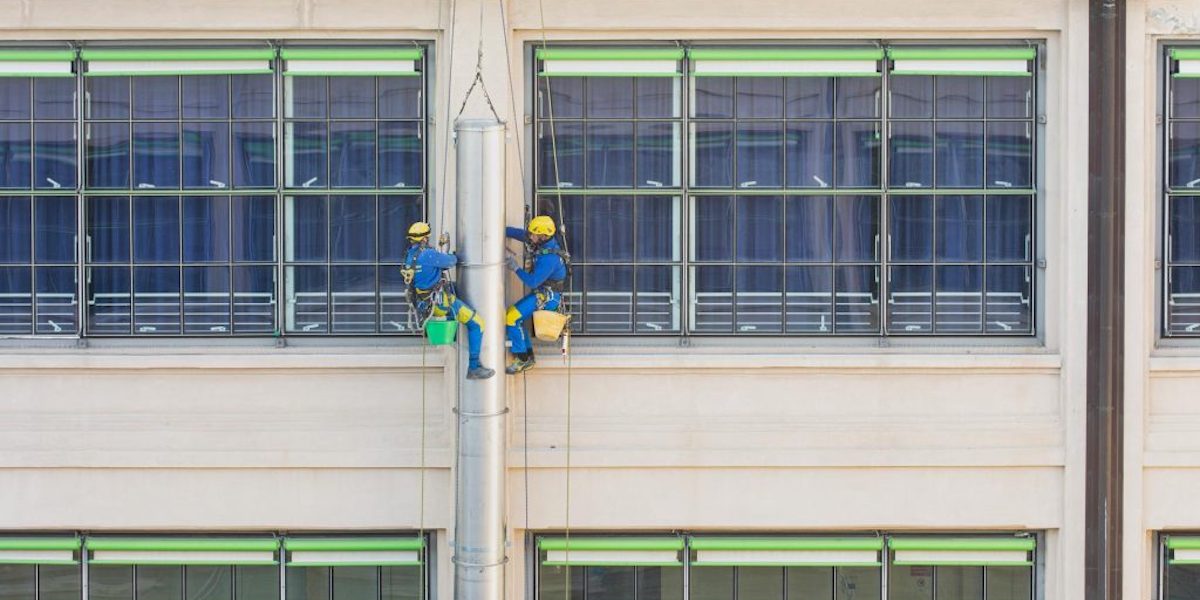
(512, 316)
(466, 315)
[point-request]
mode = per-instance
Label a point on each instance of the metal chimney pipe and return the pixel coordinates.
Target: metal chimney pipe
(479, 526)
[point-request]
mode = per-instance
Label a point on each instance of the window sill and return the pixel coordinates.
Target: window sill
(225, 354)
(792, 354)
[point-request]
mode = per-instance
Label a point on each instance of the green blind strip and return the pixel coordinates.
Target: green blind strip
(177, 61)
(981, 551)
(351, 61)
(1183, 550)
(39, 550)
(367, 551)
(182, 551)
(975, 61)
(785, 62)
(787, 551)
(36, 63)
(609, 62)
(1187, 62)
(612, 551)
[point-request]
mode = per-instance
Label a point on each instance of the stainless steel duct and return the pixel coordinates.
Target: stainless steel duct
(479, 536)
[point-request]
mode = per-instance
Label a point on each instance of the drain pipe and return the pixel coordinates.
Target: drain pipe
(479, 526)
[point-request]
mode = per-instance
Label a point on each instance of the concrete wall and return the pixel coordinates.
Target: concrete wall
(826, 435)
(1162, 416)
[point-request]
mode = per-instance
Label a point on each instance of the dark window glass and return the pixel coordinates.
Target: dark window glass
(156, 97)
(108, 155)
(55, 162)
(912, 96)
(110, 582)
(713, 152)
(808, 97)
(16, 223)
(107, 97)
(308, 583)
(15, 94)
(59, 582)
(206, 97)
(560, 97)
(355, 583)
(713, 97)
(54, 98)
(206, 155)
(609, 97)
(560, 154)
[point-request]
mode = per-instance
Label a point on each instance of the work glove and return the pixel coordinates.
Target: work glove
(511, 262)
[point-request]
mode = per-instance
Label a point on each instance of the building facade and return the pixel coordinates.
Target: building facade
(829, 261)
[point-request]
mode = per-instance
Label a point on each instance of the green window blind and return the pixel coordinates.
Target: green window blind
(182, 551)
(785, 62)
(351, 61)
(176, 61)
(613, 551)
(39, 550)
(350, 551)
(1183, 550)
(36, 63)
(787, 551)
(983, 551)
(610, 62)
(993, 61)
(1187, 62)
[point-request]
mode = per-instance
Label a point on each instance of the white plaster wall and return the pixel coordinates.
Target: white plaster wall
(1162, 376)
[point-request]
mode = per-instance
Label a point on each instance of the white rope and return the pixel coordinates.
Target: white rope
(571, 286)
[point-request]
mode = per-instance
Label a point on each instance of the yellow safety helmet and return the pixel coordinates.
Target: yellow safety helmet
(419, 231)
(541, 225)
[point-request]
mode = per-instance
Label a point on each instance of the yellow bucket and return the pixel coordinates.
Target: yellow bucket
(548, 325)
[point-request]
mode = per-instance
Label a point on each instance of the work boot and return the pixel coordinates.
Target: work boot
(479, 372)
(519, 365)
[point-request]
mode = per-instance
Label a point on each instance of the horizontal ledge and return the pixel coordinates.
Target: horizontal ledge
(742, 359)
(948, 457)
(158, 359)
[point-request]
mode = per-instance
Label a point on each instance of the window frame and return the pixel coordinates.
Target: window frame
(278, 192)
(1034, 266)
(1167, 193)
(886, 555)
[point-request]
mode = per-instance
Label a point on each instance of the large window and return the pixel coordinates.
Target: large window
(208, 191)
(821, 190)
(38, 178)
(1180, 568)
(786, 568)
(355, 568)
(364, 567)
(40, 568)
(1181, 297)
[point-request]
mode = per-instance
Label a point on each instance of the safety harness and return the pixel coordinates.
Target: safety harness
(555, 285)
(421, 301)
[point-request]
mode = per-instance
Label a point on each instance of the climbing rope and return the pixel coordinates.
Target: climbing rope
(571, 290)
(421, 502)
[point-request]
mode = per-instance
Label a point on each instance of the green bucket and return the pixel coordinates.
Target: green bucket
(440, 332)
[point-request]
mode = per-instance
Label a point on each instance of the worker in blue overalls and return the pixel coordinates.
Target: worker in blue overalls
(430, 291)
(547, 280)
